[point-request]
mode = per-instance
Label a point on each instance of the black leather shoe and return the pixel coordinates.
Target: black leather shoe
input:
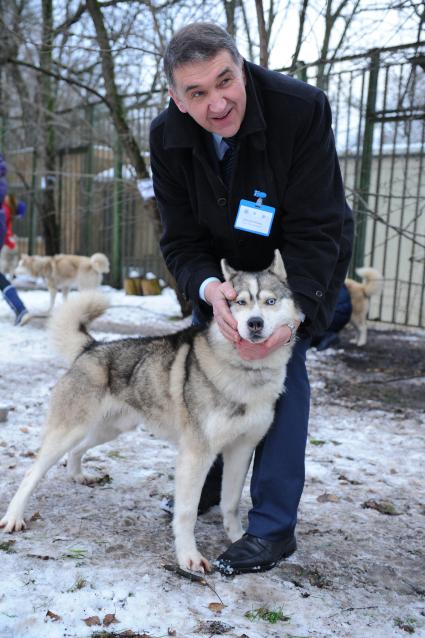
(254, 554)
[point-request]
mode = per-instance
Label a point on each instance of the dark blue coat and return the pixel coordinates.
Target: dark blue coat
(286, 149)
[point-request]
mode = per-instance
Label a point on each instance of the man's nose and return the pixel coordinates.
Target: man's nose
(217, 104)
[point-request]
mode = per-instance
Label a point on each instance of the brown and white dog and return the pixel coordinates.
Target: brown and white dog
(360, 293)
(61, 272)
(9, 259)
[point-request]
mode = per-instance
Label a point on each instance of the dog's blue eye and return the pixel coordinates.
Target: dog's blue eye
(241, 302)
(271, 301)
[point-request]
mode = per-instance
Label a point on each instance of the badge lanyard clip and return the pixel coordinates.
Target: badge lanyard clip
(260, 196)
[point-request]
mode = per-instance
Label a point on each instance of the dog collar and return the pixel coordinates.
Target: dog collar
(293, 328)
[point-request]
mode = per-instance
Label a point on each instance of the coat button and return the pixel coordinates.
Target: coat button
(222, 201)
(319, 293)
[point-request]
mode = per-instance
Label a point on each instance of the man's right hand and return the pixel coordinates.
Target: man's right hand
(217, 294)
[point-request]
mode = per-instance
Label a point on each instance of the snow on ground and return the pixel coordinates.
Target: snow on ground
(95, 551)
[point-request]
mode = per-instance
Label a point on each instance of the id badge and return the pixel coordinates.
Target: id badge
(254, 217)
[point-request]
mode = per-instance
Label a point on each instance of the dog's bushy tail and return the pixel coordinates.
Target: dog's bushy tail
(371, 279)
(100, 263)
(68, 326)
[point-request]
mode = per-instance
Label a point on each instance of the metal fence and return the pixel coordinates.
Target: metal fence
(379, 123)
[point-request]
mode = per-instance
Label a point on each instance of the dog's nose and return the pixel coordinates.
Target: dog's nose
(255, 324)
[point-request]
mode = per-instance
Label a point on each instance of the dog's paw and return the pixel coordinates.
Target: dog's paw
(12, 524)
(194, 561)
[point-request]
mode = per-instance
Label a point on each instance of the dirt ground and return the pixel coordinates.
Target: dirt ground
(388, 373)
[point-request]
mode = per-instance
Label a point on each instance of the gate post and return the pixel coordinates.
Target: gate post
(32, 208)
(88, 184)
(362, 187)
(116, 271)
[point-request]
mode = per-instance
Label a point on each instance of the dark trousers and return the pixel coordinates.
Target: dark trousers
(279, 462)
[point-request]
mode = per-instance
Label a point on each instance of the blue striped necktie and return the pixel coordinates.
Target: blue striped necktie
(228, 160)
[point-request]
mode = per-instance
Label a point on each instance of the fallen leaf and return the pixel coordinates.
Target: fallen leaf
(171, 632)
(342, 477)
(92, 620)
(36, 516)
(318, 580)
(109, 619)
(383, 507)
(53, 616)
(24, 429)
(328, 498)
(216, 607)
(30, 454)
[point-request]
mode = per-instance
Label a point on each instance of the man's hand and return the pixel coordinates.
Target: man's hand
(252, 351)
(217, 294)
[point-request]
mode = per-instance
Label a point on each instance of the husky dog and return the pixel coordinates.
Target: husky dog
(61, 272)
(360, 294)
(9, 259)
(190, 387)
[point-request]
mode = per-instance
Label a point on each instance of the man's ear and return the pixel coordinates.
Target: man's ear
(227, 270)
(177, 102)
(277, 266)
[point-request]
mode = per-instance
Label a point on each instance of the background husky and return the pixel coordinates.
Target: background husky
(360, 294)
(61, 272)
(9, 259)
(190, 387)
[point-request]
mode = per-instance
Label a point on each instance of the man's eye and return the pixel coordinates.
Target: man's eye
(271, 301)
(197, 94)
(241, 302)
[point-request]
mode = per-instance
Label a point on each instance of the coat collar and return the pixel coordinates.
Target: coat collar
(181, 131)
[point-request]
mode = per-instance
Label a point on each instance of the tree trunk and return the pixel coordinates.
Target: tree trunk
(126, 138)
(262, 31)
(47, 206)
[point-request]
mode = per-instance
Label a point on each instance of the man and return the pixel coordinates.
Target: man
(341, 316)
(283, 155)
(7, 211)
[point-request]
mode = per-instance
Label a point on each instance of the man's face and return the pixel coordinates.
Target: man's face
(212, 92)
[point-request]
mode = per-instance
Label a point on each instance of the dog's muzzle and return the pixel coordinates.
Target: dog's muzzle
(255, 326)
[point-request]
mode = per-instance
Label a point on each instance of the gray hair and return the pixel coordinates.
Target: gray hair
(197, 42)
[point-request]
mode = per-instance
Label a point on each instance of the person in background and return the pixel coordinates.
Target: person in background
(341, 316)
(238, 138)
(8, 208)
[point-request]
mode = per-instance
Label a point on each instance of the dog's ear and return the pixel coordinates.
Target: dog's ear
(277, 266)
(227, 270)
